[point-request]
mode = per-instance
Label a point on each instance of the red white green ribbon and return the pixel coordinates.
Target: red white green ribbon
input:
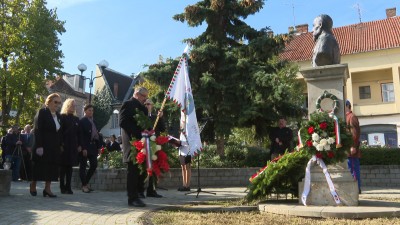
(337, 130)
(146, 135)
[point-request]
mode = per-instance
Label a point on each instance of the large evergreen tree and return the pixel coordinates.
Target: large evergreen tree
(29, 55)
(236, 75)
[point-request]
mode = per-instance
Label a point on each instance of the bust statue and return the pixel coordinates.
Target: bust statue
(326, 49)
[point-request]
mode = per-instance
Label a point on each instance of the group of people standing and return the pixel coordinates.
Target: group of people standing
(59, 141)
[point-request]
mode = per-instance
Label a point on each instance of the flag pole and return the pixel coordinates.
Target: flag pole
(158, 114)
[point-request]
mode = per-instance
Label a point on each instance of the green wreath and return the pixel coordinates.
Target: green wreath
(332, 97)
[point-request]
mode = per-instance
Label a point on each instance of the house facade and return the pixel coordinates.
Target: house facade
(372, 52)
(70, 86)
(121, 88)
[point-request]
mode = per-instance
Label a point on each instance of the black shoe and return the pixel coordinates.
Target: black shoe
(33, 193)
(153, 195)
(90, 189)
(63, 190)
(187, 189)
(141, 195)
(45, 193)
(136, 203)
(70, 192)
(181, 188)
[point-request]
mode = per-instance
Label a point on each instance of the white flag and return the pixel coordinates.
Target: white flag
(180, 91)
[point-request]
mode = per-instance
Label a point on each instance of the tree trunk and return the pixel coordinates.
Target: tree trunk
(21, 101)
(4, 111)
(220, 146)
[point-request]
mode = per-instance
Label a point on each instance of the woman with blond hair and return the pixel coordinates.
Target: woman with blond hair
(69, 150)
(47, 130)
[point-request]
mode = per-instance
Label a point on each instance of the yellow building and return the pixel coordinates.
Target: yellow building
(372, 52)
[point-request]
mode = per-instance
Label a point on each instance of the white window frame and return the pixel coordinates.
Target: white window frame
(387, 92)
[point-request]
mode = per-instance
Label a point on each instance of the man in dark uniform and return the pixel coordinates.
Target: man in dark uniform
(130, 129)
(281, 138)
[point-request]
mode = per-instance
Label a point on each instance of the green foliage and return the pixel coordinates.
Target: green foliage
(380, 156)
(236, 157)
(115, 160)
(281, 176)
(143, 120)
(111, 159)
(102, 107)
(29, 53)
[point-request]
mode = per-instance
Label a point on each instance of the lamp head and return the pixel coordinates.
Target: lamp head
(82, 67)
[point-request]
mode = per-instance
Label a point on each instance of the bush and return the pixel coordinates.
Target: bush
(236, 156)
(380, 156)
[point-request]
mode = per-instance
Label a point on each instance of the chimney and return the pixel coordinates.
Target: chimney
(302, 28)
(290, 29)
(115, 90)
(391, 12)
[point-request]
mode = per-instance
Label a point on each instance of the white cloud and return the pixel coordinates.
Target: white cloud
(65, 3)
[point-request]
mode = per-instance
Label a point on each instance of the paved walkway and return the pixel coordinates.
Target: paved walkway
(102, 207)
(98, 207)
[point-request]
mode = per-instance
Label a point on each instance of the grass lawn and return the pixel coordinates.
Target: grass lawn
(183, 216)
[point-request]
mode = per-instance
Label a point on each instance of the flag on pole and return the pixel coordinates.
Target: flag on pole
(180, 91)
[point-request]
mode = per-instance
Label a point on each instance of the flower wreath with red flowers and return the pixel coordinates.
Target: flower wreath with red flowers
(326, 137)
(149, 155)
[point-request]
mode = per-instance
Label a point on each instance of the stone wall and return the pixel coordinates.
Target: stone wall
(115, 179)
(5, 182)
(380, 176)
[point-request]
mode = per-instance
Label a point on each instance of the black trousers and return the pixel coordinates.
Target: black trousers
(85, 176)
(65, 177)
(134, 181)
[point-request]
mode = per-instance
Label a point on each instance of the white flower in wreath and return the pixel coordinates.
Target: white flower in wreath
(315, 137)
(319, 147)
(143, 151)
(143, 140)
(154, 157)
(315, 144)
(324, 134)
(323, 142)
(153, 138)
(158, 148)
(331, 140)
(327, 147)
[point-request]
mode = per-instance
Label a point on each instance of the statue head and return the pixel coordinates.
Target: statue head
(322, 23)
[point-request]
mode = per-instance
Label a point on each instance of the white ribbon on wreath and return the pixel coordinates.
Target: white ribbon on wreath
(307, 180)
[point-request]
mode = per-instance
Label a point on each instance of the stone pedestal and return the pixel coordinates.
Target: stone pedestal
(346, 187)
(5, 182)
(332, 79)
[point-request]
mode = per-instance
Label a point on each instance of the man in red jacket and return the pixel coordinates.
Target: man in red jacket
(353, 160)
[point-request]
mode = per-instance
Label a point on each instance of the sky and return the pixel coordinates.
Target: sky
(129, 34)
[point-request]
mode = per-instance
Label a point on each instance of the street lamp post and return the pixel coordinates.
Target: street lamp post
(116, 113)
(82, 67)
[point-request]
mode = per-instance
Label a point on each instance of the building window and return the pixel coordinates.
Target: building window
(365, 92)
(387, 92)
(114, 121)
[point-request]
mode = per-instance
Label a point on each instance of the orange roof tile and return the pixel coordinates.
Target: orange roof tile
(356, 38)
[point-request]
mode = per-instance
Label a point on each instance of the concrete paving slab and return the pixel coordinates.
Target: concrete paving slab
(368, 208)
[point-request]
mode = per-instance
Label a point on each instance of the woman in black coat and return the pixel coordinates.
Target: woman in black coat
(69, 152)
(47, 130)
